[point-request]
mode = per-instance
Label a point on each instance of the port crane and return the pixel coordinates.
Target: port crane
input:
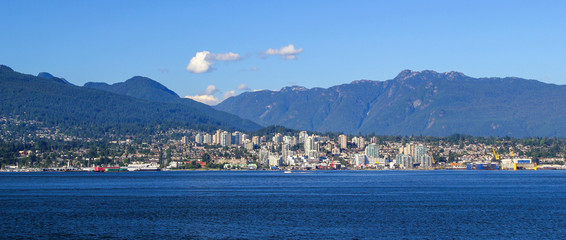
(495, 154)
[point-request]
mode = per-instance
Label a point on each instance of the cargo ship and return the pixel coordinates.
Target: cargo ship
(143, 167)
(110, 169)
(518, 164)
(482, 166)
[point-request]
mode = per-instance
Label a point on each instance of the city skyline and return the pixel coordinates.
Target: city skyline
(220, 49)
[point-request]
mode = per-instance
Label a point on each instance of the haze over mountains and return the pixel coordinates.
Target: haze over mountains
(414, 103)
(89, 111)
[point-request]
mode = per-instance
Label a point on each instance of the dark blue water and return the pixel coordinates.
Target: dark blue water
(274, 205)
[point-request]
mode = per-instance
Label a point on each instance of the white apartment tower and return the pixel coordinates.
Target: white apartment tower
(343, 141)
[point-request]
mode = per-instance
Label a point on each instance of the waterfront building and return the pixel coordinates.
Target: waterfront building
(422, 157)
(372, 151)
(426, 161)
(286, 153)
(311, 147)
(263, 157)
(274, 160)
(360, 160)
(404, 160)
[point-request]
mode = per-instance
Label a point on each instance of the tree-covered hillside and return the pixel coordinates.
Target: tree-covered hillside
(414, 103)
(86, 111)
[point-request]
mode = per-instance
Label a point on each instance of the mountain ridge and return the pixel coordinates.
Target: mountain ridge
(139, 87)
(95, 111)
(151, 90)
(413, 103)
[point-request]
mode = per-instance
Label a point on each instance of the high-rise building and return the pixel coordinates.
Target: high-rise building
(405, 161)
(372, 151)
(237, 138)
(263, 157)
(185, 140)
(289, 140)
(422, 157)
(360, 160)
(225, 139)
(311, 147)
(277, 138)
(256, 140)
(410, 149)
(199, 138)
(217, 135)
(248, 145)
(426, 161)
(360, 142)
(343, 141)
(303, 136)
(373, 140)
(274, 160)
(286, 153)
(420, 151)
(207, 139)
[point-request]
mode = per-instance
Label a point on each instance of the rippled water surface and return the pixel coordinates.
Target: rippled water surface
(275, 205)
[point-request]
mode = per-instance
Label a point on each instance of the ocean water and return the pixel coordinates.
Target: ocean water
(275, 205)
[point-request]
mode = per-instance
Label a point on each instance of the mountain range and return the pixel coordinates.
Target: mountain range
(413, 103)
(137, 105)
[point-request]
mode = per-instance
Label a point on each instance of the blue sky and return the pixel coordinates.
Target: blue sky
(249, 45)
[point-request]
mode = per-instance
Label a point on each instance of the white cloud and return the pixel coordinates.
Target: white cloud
(254, 69)
(243, 87)
(199, 63)
(230, 56)
(206, 99)
(211, 89)
(209, 96)
(286, 52)
(203, 61)
(228, 94)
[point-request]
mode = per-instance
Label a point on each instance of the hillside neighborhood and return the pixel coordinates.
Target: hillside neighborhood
(48, 149)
